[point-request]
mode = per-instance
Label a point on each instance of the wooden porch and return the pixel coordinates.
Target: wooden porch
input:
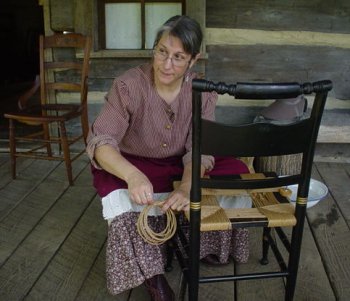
(52, 241)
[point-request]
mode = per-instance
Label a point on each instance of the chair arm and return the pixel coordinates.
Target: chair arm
(23, 99)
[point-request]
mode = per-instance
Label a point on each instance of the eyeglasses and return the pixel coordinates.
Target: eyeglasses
(178, 60)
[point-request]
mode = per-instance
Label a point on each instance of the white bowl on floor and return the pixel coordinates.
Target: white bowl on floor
(317, 191)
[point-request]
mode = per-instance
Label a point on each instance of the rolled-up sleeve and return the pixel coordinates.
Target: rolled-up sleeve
(112, 122)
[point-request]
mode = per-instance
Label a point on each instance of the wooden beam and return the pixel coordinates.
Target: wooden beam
(227, 36)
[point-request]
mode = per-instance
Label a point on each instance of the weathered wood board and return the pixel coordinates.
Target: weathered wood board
(310, 15)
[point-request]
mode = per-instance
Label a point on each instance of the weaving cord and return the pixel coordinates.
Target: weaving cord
(148, 234)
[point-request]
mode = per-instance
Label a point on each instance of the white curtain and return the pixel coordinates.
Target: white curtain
(123, 23)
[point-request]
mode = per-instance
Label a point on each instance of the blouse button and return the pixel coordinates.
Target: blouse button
(164, 145)
(168, 126)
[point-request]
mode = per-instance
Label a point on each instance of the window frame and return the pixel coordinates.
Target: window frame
(102, 19)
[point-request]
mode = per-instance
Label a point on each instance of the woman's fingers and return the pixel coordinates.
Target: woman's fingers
(177, 201)
(149, 196)
(141, 196)
(186, 207)
(180, 206)
(140, 189)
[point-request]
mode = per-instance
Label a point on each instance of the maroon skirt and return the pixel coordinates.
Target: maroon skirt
(161, 172)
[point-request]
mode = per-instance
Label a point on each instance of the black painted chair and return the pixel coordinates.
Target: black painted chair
(271, 206)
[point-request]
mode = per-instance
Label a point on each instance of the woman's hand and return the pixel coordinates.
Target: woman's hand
(178, 200)
(140, 188)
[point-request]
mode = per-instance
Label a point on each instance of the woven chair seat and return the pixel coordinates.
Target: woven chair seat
(267, 209)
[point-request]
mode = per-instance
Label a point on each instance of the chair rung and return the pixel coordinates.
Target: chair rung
(37, 155)
(71, 140)
(222, 278)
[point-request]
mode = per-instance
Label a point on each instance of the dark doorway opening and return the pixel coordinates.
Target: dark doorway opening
(21, 23)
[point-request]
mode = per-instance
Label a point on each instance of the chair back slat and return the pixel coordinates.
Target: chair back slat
(64, 65)
(64, 86)
(60, 69)
(70, 40)
(257, 139)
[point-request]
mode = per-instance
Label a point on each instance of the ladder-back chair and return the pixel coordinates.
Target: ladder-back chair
(271, 207)
(62, 75)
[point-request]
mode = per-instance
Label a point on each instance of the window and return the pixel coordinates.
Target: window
(132, 24)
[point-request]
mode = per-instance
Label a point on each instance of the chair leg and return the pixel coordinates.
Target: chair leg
(85, 124)
(12, 147)
(291, 279)
(300, 212)
(169, 249)
(265, 245)
(193, 282)
(182, 288)
(47, 137)
(66, 154)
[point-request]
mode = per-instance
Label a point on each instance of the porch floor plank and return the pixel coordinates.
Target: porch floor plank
(329, 221)
(256, 290)
(67, 271)
(53, 237)
(41, 242)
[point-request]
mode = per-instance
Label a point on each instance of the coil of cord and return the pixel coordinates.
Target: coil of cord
(150, 236)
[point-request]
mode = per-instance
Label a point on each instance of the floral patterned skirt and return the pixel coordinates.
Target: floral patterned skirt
(130, 260)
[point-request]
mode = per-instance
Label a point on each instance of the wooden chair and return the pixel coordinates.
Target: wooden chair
(271, 206)
(61, 75)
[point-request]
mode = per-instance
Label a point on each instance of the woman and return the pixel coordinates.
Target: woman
(139, 142)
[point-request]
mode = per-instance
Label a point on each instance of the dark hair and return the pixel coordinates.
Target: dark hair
(184, 28)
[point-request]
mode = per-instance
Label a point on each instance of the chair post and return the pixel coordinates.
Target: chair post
(300, 213)
(195, 207)
(321, 89)
(84, 113)
(193, 284)
(85, 123)
(265, 245)
(46, 131)
(169, 256)
(66, 155)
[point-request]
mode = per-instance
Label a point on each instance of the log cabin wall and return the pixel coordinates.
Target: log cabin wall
(250, 40)
(304, 40)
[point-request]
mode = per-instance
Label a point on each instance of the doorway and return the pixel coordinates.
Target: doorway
(21, 23)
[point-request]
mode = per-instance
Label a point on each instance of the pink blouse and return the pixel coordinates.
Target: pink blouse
(137, 121)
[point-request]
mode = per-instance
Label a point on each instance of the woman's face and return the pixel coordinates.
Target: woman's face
(170, 61)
